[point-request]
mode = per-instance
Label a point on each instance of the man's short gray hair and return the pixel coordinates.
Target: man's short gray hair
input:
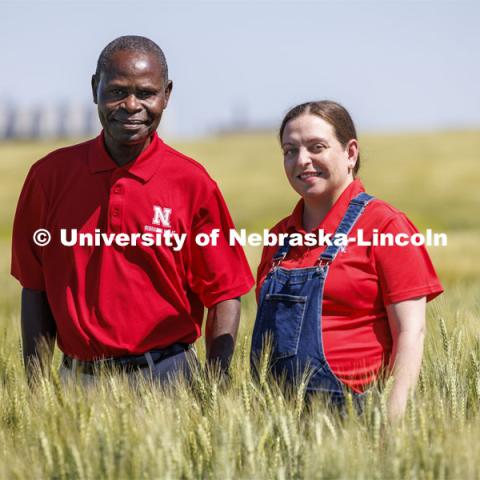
(134, 43)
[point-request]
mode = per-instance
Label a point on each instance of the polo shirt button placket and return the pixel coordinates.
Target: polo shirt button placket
(116, 208)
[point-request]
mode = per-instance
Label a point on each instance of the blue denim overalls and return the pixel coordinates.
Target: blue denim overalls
(290, 308)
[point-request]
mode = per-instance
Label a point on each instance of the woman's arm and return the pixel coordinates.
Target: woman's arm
(407, 324)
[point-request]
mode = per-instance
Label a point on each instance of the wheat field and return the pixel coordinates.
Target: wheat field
(250, 430)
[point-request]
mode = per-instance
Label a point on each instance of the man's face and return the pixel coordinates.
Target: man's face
(131, 95)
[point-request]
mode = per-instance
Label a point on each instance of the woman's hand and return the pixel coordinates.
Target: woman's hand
(407, 324)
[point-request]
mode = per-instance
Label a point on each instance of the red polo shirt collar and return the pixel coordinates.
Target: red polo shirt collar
(143, 167)
(335, 214)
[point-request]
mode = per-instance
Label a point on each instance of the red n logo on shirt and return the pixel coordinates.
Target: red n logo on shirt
(161, 216)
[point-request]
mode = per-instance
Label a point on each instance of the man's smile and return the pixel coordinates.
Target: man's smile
(130, 124)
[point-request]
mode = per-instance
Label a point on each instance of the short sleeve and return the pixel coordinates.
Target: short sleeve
(218, 272)
(30, 215)
(405, 272)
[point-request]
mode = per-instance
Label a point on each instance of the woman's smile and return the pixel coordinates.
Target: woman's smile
(310, 176)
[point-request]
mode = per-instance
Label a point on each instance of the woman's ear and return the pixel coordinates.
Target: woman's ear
(352, 150)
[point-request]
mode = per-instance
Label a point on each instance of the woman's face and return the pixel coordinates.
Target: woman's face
(316, 164)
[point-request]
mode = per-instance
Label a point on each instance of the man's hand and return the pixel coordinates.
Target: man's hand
(221, 332)
(38, 331)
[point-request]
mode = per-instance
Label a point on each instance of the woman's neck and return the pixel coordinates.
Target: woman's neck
(314, 213)
(316, 209)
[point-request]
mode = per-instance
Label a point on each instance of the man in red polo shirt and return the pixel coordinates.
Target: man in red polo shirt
(136, 304)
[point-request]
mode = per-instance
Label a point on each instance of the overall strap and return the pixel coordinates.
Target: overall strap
(355, 209)
(281, 253)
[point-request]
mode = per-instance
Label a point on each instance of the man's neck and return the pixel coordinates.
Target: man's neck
(123, 154)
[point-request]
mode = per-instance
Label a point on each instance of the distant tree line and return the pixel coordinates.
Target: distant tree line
(48, 121)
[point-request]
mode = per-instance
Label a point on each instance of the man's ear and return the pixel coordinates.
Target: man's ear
(168, 91)
(94, 88)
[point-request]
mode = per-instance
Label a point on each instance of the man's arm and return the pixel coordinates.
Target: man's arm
(407, 324)
(221, 332)
(38, 330)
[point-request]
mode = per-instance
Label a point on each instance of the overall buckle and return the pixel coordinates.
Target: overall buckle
(323, 262)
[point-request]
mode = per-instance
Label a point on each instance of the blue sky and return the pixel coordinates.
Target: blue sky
(395, 65)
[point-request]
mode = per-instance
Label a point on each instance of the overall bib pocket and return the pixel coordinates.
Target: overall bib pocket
(281, 316)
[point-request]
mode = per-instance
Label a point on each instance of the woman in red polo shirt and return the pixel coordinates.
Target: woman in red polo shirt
(344, 309)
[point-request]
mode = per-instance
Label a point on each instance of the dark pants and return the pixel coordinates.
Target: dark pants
(163, 372)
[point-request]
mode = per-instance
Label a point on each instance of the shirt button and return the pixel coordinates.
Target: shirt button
(115, 212)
